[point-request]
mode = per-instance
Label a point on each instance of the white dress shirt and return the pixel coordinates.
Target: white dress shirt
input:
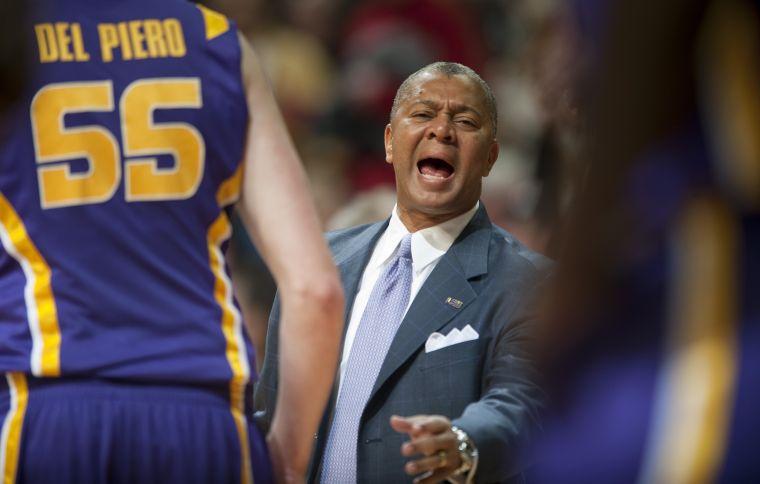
(428, 245)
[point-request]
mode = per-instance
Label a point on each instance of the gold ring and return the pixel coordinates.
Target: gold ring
(442, 458)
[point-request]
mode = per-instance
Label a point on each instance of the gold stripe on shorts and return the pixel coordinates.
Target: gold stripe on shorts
(10, 439)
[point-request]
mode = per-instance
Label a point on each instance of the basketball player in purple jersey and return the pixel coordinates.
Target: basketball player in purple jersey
(123, 349)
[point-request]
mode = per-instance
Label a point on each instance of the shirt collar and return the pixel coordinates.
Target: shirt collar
(428, 245)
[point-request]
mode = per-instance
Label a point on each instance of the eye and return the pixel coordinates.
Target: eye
(421, 115)
(467, 122)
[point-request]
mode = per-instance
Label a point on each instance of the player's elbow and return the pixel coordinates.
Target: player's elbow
(322, 297)
(327, 293)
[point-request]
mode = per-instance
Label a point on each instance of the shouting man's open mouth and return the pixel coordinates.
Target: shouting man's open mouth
(435, 168)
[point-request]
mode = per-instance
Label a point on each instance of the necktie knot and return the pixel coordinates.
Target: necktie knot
(405, 248)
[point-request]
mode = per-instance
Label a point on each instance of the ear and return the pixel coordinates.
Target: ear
(493, 153)
(388, 144)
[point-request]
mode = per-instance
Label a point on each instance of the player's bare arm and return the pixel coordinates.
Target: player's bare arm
(277, 209)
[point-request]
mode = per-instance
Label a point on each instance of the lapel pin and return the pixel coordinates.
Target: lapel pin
(454, 303)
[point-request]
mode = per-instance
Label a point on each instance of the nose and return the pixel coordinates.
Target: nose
(442, 129)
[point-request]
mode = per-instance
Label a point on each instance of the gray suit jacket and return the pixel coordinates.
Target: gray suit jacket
(486, 386)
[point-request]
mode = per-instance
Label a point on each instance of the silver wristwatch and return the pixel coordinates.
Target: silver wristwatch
(467, 452)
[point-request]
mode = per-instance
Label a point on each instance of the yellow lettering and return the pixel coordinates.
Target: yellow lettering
(138, 39)
(174, 37)
(126, 49)
(108, 41)
(64, 41)
(46, 42)
(154, 36)
(80, 54)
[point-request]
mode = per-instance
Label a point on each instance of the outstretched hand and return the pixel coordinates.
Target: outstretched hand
(431, 437)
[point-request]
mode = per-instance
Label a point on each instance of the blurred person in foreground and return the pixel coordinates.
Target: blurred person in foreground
(435, 367)
(124, 352)
(652, 345)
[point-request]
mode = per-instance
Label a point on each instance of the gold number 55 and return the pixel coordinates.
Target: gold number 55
(55, 144)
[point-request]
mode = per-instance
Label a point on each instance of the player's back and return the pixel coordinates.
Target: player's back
(115, 171)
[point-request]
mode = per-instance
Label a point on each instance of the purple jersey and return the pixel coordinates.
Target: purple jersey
(116, 180)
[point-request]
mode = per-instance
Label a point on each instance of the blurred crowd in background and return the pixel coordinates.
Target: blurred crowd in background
(648, 196)
(629, 136)
(335, 66)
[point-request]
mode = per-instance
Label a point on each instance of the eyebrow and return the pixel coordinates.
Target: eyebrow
(456, 107)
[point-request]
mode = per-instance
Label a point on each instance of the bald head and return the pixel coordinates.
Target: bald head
(448, 69)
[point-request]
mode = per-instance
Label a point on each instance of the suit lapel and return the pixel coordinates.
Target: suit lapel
(430, 311)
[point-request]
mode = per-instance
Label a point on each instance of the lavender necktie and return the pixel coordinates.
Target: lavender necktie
(382, 317)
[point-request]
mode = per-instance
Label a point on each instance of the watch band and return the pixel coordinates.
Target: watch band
(468, 453)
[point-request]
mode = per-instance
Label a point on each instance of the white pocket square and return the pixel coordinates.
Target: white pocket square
(437, 341)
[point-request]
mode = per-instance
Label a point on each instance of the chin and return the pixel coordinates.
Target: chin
(436, 205)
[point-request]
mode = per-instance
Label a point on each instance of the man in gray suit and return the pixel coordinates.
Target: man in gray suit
(435, 379)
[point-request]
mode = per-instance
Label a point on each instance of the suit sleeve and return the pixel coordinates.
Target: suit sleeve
(508, 411)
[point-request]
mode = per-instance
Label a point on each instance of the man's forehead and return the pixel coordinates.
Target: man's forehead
(457, 87)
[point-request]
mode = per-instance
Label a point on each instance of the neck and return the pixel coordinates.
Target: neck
(414, 220)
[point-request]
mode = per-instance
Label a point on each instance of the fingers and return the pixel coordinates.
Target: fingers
(429, 445)
(401, 424)
(441, 460)
(432, 477)
(419, 424)
(435, 467)
(432, 437)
